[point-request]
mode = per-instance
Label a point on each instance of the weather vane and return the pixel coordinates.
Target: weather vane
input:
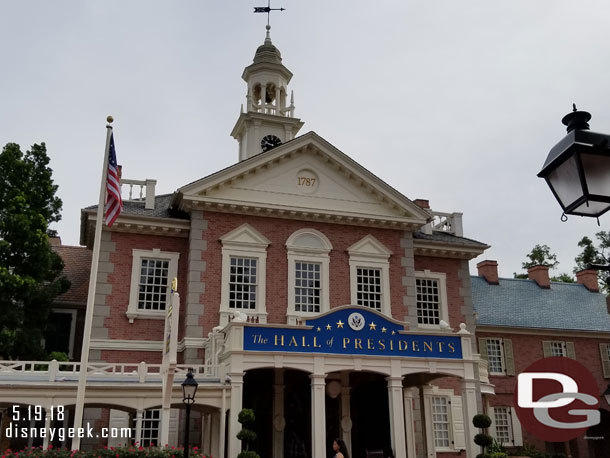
(267, 9)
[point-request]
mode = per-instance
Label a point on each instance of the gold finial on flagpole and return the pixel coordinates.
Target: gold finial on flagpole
(109, 119)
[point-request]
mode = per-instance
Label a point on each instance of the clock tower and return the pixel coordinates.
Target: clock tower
(268, 120)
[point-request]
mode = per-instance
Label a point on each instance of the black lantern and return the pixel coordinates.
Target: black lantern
(577, 168)
(189, 388)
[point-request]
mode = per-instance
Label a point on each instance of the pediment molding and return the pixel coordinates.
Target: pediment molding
(369, 247)
(374, 204)
(245, 235)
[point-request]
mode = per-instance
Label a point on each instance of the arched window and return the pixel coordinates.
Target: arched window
(308, 274)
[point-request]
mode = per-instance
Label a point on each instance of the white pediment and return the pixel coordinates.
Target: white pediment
(306, 175)
(369, 246)
(245, 235)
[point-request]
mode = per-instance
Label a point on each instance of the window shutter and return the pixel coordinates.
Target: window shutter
(516, 426)
(173, 428)
(570, 350)
(546, 348)
(457, 423)
(509, 360)
(483, 348)
(118, 419)
(603, 351)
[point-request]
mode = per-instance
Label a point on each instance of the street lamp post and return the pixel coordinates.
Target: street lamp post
(577, 168)
(189, 388)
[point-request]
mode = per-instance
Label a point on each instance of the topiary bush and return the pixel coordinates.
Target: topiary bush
(481, 421)
(246, 435)
(484, 440)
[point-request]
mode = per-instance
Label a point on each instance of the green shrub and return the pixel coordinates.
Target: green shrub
(481, 421)
(246, 435)
(484, 440)
(248, 454)
(483, 455)
(498, 455)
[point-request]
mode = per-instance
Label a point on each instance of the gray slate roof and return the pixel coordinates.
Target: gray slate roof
(444, 237)
(522, 303)
(161, 210)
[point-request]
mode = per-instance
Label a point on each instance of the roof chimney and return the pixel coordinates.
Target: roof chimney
(588, 278)
(489, 271)
(422, 203)
(540, 274)
(55, 241)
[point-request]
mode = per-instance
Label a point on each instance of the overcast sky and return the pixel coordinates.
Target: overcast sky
(455, 101)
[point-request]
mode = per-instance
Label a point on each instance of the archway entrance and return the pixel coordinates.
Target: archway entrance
(369, 413)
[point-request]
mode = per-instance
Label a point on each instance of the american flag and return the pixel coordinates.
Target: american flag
(114, 203)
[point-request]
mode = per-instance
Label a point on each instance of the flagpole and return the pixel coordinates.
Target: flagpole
(84, 357)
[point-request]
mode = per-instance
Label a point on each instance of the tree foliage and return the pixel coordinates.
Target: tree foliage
(541, 256)
(30, 271)
(592, 254)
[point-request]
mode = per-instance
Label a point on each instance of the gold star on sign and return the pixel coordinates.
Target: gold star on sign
(339, 324)
(318, 329)
(393, 332)
(383, 330)
(372, 326)
(328, 327)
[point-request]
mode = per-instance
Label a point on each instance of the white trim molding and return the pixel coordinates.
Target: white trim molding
(369, 252)
(126, 345)
(310, 246)
(244, 242)
(133, 311)
(441, 279)
(455, 419)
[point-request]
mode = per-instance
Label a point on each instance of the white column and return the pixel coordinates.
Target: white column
(409, 394)
(47, 427)
(277, 101)
(139, 415)
(206, 432)
(216, 428)
(237, 394)
(318, 415)
(279, 421)
(222, 424)
(397, 416)
(469, 407)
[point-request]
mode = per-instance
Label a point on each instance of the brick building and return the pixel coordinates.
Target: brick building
(310, 291)
(521, 321)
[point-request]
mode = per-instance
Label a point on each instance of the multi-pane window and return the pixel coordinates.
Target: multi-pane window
(557, 349)
(307, 287)
(494, 356)
(440, 421)
(152, 294)
(368, 287)
(502, 422)
(242, 283)
(149, 432)
(428, 301)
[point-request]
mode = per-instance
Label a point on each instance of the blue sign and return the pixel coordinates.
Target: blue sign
(351, 331)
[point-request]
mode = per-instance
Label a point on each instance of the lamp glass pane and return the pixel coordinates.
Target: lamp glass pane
(594, 208)
(565, 181)
(597, 173)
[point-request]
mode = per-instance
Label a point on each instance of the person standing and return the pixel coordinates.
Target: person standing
(340, 449)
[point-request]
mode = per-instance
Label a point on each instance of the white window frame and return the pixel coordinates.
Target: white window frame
(244, 242)
(308, 246)
(514, 426)
(370, 253)
(441, 278)
(502, 360)
(456, 436)
(507, 412)
(72, 312)
(555, 344)
(133, 311)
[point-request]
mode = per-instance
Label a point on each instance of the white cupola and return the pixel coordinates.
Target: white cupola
(268, 120)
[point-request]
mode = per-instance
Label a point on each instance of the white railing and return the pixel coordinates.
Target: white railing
(449, 223)
(144, 191)
(56, 371)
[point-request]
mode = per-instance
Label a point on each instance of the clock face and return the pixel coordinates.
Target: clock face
(270, 141)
